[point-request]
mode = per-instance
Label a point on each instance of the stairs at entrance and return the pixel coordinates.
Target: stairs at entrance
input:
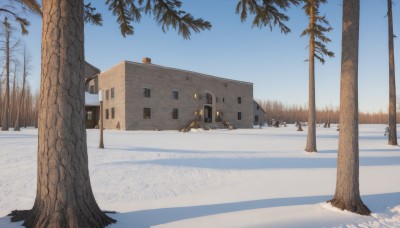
(213, 126)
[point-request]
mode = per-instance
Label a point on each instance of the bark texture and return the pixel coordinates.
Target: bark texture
(311, 145)
(347, 194)
(392, 139)
(64, 197)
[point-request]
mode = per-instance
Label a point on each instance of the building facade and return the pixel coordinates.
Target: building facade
(145, 96)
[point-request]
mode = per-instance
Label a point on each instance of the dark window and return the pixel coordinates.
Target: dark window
(239, 116)
(107, 94)
(112, 113)
(175, 114)
(107, 114)
(91, 89)
(89, 115)
(175, 95)
(146, 92)
(256, 118)
(258, 107)
(223, 100)
(112, 93)
(147, 113)
(208, 98)
(239, 100)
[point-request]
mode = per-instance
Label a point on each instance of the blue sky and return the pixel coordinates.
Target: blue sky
(274, 62)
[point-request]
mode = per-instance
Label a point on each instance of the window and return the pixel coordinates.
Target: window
(112, 93)
(239, 100)
(258, 107)
(175, 95)
(146, 92)
(107, 114)
(91, 90)
(107, 94)
(89, 115)
(147, 113)
(256, 118)
(175, 113)
(223, 100)
(239, 116)
(112, 113)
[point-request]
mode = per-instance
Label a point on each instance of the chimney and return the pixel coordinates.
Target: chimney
(146, 60)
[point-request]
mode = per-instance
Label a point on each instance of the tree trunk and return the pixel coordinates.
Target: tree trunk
(311, 134)
(64, 197)
(392, 139)
(13, 97)
(21, 101)
(347, 194)
(6, 108)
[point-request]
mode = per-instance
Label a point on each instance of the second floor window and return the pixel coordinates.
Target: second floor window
(107, 94)
(175, 95)
(146, 92)
(239, 100)
(112, 93)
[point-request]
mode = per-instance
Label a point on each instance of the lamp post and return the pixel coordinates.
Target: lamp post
(101, 119)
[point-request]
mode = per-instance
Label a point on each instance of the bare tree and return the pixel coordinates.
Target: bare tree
(347, 194)
(22, 97)
(6, 109)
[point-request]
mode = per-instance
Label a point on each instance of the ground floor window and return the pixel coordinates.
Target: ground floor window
(147, 113)
(89, 115)
(175, 113)
(112, 113)
(107, 114)
(239, 116)
(256, 118)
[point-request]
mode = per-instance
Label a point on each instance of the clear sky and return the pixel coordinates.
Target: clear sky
(274, 62)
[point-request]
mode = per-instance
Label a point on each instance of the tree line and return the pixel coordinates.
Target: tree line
(291, 113)
(18, 103)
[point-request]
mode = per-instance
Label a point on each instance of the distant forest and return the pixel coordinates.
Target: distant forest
(291, 113)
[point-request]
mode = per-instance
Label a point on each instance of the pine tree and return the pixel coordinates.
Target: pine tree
(347, 194)
(316, 30)
(392, 139)
(64, 196)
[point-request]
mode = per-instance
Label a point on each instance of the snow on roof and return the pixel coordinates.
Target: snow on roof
(91, 99)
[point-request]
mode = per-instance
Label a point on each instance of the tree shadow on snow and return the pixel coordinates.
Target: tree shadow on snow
(379, 203)
(264, 163)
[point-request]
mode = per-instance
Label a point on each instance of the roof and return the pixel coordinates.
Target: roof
(151, 65)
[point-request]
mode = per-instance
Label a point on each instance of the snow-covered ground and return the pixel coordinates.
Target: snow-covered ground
(219, 178)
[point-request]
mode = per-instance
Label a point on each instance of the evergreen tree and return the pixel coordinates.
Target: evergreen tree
(64, 196)
(316, 30)
(347, 194)
(266, 12)
(392, 139)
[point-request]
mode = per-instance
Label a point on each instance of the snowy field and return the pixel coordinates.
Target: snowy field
(219, 178)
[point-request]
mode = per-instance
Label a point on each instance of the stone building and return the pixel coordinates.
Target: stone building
(145, 96)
